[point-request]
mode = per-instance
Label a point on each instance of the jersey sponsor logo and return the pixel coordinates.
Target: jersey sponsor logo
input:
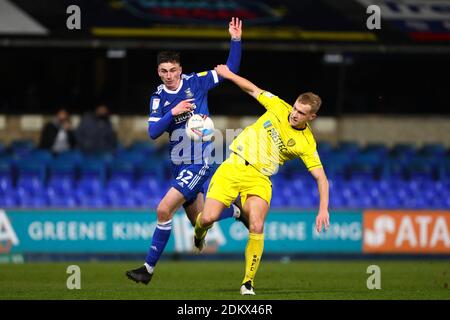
(166, 103)
(277, 139)
(183, 117)
(202, 74)
(268, 94)
(155, 104)
(291, 142)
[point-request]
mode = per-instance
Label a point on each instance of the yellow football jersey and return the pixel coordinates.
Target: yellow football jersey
(271, 140)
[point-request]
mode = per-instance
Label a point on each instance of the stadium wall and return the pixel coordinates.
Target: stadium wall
(362, 129)
(54, 232)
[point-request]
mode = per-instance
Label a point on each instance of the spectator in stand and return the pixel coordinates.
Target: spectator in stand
(95, 134)
(58, 135)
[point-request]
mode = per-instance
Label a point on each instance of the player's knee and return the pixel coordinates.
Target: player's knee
(256, 226)
(206, 219)
(164, 214)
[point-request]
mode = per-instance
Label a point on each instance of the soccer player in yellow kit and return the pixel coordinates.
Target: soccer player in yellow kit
(280, 134)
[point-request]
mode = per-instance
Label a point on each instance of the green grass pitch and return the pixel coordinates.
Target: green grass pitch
(204, 280)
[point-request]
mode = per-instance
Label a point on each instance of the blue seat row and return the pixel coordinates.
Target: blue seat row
(371, 177)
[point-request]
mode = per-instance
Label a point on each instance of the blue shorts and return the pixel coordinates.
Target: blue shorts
(191, 179)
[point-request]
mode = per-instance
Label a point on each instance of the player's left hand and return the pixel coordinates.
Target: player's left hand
(322, 219)
(223, 70)
(235, 28)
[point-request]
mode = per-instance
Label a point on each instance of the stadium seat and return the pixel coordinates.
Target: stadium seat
(22, 146)
(74, 156)
(348, 147)
(361, 171)
(305, 201)
(89, 187)
(337, 201)
(403, 151)
(105, 158)
(136, 177)
(324, 148)
(420, 170)
(277, 202)
(393, 169)
(145, 200)
(433, 149)
(145, 147)
(62, 176)
(92, 180)
(120, 185)
(389, 201)
(41, 156)
(121, 200)
(97, 201)
(148, 185)
(6, 176)
(443, 171)
(8, 200)
(376, 148)
(3, 150)
(93, 168)
(415, 203)
(122, 168)
(68, 201)
(31, 176)
(151, 168)
(35, 202)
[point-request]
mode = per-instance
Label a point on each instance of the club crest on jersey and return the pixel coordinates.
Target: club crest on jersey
(291, 142)
(189, 93)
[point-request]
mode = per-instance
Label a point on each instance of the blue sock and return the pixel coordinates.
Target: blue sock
(160, 238)
(232, 211)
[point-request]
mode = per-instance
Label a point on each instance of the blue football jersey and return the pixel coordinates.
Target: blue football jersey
(196, 86)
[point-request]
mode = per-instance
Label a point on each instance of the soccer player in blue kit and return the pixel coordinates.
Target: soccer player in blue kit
(175, 101)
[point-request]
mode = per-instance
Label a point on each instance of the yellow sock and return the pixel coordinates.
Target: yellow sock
(199, 230)
(253, 253)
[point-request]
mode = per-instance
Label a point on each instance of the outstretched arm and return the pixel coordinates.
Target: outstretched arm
(234, 57)
(323, 217)
(244, 84)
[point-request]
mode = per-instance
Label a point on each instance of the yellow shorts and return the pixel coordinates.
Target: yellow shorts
(234, 177)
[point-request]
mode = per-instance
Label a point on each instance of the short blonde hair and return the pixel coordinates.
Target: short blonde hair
(312, 99)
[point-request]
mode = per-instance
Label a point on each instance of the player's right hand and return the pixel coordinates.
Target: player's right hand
(235, 28)
(183, 106)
